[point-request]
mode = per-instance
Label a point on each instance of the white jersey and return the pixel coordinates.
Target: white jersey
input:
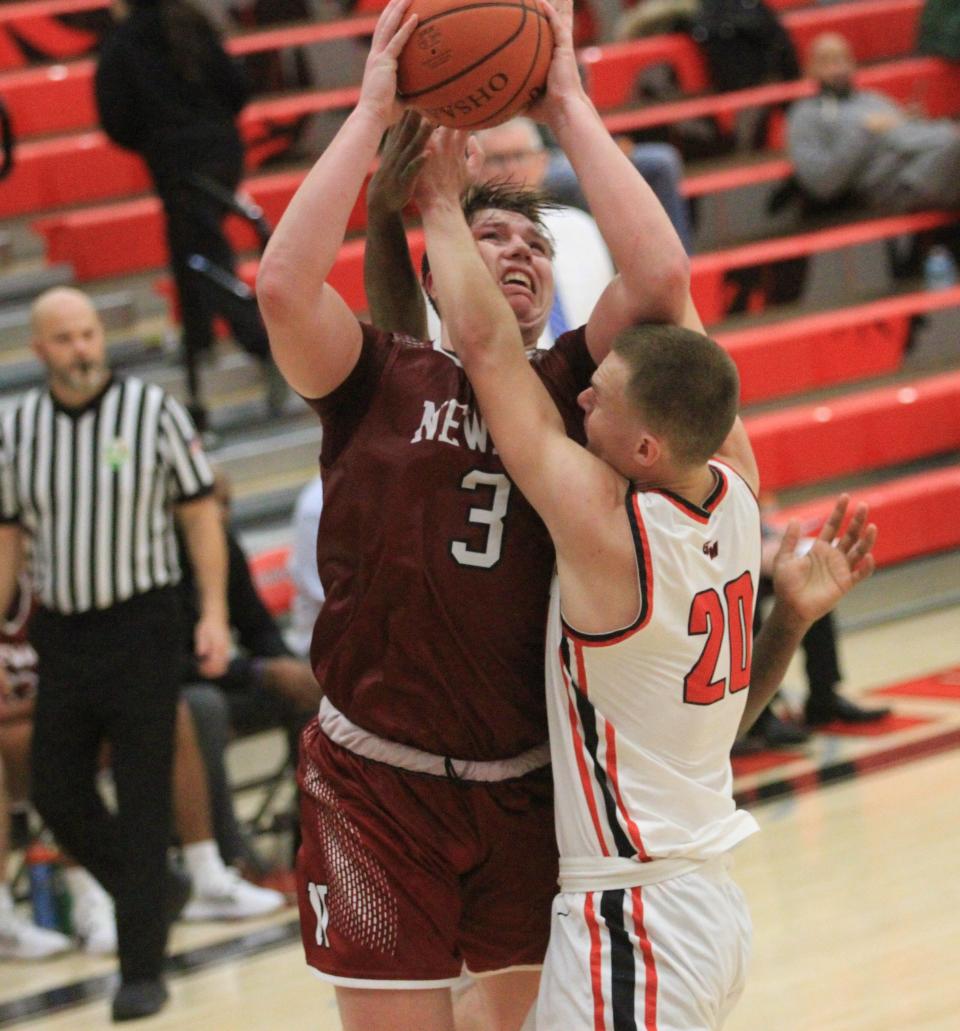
(642, 719)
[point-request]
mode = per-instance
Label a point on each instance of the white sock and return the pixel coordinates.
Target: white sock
(203, 863)
(6, 900)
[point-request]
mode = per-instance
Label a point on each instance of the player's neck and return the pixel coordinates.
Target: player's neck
(692, 483)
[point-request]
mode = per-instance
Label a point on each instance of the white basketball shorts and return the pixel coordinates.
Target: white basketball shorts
(670, 956)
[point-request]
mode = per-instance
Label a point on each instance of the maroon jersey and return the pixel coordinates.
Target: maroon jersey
(436, 569)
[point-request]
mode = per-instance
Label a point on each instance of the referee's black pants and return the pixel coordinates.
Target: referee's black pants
(112, 675)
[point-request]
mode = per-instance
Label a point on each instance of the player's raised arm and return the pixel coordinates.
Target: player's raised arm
(393, 291)
(470, 267)
(653, 270)
(313, 335)
(806, 587)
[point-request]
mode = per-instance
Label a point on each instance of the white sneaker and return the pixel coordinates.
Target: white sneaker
(94, 921)
(230, 897)
(22, 939)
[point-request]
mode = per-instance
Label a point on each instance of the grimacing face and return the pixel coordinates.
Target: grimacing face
(69, 340)
(520, 259)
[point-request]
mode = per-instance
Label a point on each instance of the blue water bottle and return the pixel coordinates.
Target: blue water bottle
(939, 269)
(41, 864)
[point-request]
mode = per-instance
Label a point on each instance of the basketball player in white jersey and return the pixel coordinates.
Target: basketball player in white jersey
(649, 634)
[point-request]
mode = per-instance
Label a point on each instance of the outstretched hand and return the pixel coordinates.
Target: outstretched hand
(563, 77)
(378, 91)
(453, 159)
(811, 584)
(401, 159)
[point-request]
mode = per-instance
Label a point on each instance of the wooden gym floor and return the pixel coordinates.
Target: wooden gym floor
(853, 884)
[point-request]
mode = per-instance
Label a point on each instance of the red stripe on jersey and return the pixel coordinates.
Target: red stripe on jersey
(633, 830)
(649, 965)
(578, 751)
(596, 960)
(581, 669)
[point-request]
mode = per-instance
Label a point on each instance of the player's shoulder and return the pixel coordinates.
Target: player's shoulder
(734, 480)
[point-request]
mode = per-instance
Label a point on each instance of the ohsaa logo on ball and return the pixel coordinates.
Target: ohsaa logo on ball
(475, 63)
(475, 101)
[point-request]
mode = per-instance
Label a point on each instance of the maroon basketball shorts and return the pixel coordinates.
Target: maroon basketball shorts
(404, 879)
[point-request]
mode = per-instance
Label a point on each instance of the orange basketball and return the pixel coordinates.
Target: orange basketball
(470, 65)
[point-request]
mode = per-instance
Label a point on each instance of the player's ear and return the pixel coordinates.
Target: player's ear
(647, 450)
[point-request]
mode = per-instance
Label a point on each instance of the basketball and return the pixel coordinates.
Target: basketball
(470, 65)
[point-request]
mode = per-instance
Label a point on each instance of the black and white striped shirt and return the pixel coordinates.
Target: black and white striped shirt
(93, 489)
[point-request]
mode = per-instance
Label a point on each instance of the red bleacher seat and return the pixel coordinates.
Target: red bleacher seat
(346, 276)
(916, 515)
(60, 171)
(935, 80)
(878, 30)
(708, 271)
(59, 98)
(50, 98)
(35, 24)
(868, 430)
(128, 236)
(828, 348)
(52, 172)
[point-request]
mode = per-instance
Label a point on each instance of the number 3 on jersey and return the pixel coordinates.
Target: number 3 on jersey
(491, 517)
(714, 616)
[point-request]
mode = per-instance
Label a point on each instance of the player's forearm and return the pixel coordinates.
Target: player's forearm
(394, 297)
(478, 319)
(773, 649)
(645, 248)
(307, 239)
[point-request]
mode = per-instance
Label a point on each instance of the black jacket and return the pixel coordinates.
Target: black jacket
(147, 105)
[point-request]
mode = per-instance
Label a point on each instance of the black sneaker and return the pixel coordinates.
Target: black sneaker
(136, 999)
(841, 710)
(778, 733)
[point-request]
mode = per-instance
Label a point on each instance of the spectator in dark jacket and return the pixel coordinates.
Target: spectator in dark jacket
(167, 89)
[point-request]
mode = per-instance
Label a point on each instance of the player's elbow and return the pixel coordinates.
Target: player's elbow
(664, 288)
(275, 290)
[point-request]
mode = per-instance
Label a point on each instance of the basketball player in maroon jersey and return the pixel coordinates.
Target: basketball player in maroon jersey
(427, 810)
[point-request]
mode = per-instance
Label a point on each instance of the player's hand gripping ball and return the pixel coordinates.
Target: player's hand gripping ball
(471, 64)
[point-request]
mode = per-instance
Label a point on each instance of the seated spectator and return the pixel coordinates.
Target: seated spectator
(20, 938)
(309, 596)
(859, 143)
(264, 687)
(659, 163)
(217, 892)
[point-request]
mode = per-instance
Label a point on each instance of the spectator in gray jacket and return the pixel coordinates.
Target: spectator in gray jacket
(859, 144)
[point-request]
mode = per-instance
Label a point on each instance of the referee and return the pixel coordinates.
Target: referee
(92, 470)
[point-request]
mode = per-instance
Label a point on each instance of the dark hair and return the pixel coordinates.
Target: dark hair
(683, 384)
(500, 195)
